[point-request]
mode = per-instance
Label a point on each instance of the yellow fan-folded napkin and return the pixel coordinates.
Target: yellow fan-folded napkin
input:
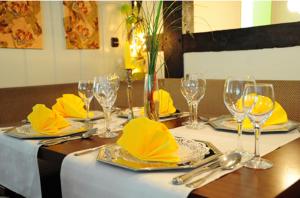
(70, 105)
(166, 106)
(149, 141)
(46, 121)
(279, 115)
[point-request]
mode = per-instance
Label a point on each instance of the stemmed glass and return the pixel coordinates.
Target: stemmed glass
(189, 88)
(197, 98)
(105, 91)
(258, 102)
(85, 92)
(233, 94)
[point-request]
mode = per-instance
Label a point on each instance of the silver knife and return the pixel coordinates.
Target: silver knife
(181, 179)
(86, 151)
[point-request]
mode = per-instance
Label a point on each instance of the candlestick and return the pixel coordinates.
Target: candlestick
(129, 93)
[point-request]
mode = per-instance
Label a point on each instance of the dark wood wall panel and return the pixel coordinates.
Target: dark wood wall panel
(172, 39)
(269, 36)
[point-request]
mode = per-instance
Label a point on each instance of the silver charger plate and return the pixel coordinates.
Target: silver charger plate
(227, 123)
(192, 153)
(97, 115)
(26, 131)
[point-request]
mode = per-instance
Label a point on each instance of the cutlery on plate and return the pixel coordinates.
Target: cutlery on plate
(206, 120)
(55, 141)
(86, 151)
(226, 162)
(181, 179)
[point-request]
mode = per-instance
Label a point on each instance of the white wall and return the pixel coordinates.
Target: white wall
(54, 63)
(266, 64)
(281, 13)
(216, 15)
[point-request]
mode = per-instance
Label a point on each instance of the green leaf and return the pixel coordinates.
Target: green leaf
(126, 9)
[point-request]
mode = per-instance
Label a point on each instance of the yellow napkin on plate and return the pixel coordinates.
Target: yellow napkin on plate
(46, 121)
(149, 141)
(70, 105)
(166, 106)
(279, 115)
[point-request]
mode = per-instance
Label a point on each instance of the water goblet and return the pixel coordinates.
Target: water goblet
(259, 103)
(189, 88)
(105, 91)
(197, 98)
(233, 94)
(85, 92)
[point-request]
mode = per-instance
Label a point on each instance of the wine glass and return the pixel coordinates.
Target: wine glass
(233, 94)
(189, 88)
(85, 92)
(258, 102)
(197, 98)
(105, 91)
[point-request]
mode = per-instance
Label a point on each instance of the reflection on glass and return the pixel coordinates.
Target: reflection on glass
(85, 91)
(233, 94)
(105, 91)
(258, 102)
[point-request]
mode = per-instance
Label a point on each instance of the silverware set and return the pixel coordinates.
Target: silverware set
(225, 162)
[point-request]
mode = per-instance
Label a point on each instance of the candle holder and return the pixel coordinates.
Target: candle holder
(129, 93)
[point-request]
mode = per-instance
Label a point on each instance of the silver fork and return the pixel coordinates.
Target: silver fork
(51, 142)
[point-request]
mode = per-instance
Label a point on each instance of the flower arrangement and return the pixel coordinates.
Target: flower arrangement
(149, 20)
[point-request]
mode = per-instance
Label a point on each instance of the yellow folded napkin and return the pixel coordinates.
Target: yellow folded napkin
(166, 106)
(149, 141)
(46, 121)
(279, 115)
(70, 105)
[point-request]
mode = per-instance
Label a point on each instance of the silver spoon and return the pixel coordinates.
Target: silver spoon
(55, 141)
(181, 179)
(226, 162)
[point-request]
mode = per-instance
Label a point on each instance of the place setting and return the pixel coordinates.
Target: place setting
(190, 153)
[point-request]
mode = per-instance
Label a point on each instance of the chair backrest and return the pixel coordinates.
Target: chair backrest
(17, 103)
(287, 93)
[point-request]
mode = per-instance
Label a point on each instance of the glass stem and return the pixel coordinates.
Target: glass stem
(107, 120)
(257, 135)
(191, 111)
(87, 104)
(87, 120)
(195, 112)
(239, 136)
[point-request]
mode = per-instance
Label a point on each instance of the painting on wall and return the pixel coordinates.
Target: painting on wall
(81, 24)
(20, 24)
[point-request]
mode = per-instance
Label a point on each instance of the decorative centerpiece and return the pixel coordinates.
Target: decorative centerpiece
(144, 26)
(153, 26)
(135, 49)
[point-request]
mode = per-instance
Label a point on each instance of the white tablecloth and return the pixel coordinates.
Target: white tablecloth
(19, 170)
(82, 176)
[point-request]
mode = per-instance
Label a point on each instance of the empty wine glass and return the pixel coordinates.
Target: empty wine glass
(105, 91)
(197, 98)
(233, 94)
(258, 102)
(189, 88)
(85, 92)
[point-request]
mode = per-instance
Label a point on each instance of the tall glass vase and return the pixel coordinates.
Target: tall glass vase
(151, 104)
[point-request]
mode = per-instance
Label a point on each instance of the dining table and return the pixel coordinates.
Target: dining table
(282, 180)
